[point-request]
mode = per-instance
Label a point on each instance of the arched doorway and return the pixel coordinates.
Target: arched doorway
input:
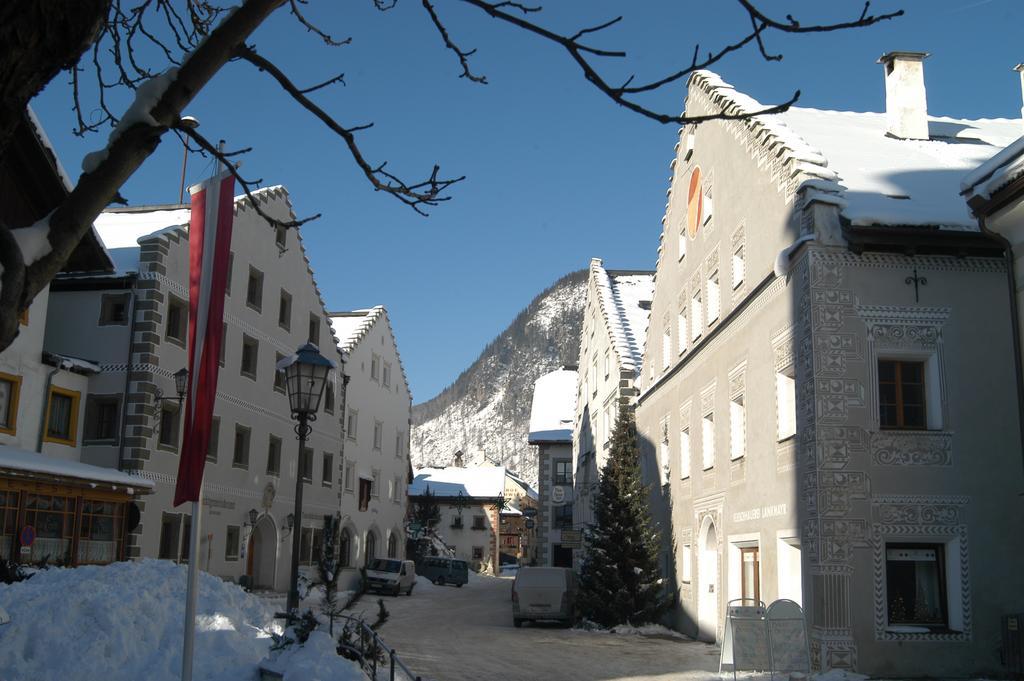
(371, 547)
(262, 563)
(392, 545)
(345, 548)
(708, 586)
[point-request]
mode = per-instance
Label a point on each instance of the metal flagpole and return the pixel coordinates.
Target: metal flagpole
(192, 590)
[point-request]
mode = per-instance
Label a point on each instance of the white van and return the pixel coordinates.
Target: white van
(387, 575)
(544, 593)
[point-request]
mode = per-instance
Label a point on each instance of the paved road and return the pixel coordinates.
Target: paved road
(466, 634)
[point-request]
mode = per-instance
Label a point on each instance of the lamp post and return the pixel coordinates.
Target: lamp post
(305, 376)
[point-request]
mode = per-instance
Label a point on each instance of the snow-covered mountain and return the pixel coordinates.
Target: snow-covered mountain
(485, 413)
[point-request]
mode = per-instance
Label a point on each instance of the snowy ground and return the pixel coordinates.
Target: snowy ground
(123, 622)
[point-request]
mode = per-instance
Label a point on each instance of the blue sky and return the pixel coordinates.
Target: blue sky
(556, 172)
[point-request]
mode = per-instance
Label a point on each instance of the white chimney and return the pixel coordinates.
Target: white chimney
(906, 105)
(1019, 68)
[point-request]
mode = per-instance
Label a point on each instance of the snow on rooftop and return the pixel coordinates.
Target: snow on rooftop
(884, 180)
(123, 229)
(622, 300)
(479, 481)
(554, 407)
(350, 327)
(12, 458)
(995, 173)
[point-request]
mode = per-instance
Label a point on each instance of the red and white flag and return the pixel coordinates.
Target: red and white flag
(209, 237)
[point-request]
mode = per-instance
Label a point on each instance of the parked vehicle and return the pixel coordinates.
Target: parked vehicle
(391, 576)
(443, 571)
(544, 593)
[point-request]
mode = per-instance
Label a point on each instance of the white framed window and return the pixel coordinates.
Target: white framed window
(785, 401)
(737, 427)
(687, 563)
(714, 297)
(378, 435)
(350, 476)
(664, 454)
(682, 241)
(375, 367)
(375, 485)
(739, 267)
(708, 440)
(684, 453)
(697, 310)
(607, 364)
(666, 343)
(708, 205)
(681, 329)
(386, 375)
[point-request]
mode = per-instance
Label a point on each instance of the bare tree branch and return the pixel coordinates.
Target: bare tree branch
(426, 193)
(313, 28)
(462, 55)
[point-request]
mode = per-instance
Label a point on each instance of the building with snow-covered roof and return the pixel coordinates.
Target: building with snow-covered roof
(133, 323)
(826, 382)
(552, 413)
(78, 513)
(378, 409)
(615, 318)
(477, 506)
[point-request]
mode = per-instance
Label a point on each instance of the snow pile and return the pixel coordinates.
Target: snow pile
(315, 660)
(123, 622)
(34, 241)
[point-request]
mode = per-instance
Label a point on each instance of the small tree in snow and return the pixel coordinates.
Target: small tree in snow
(619, 579)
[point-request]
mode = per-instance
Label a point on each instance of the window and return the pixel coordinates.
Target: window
(223, 343)
(329, 397)
(563, 516)
(399, 437)
(364, 494)
(284, 311)
(353, 421)
(62, 416)
(345, 549)
(607, 364)
(708, 440)
(99, 536)
(391, 490)
(739, 267)
(250, 354)
(684, 453)
(328, 470)
(240, 457)
(375, 367)
(593, 375)
(681, 331)
(393, 547)
(707, 204)
(399, 489)
(666, 343)
(114, 309)
(211, 449)
(350, 476)
(186, 538)
(664, 454)
(563, 473)
(9, 502)
(750, 572)
(457, 522)
(279, 377)
(254, 289)
(785, 398)
(681, 242)
(170, 529)
(915, 584)
(168, 435)
(314, 329)
(306, 464)
(274, 456)
(737, 427)
(231, 268)
(901, 395)
(10, 388)
(231, 543)
(478, 553)
(375, 485)
(177, 320)
(101, 418)
(386, 375)
(687, 563)
(714, 298)
(54, 520)
(281, 237)
(697, 309)
(378, 435)
(371, 546)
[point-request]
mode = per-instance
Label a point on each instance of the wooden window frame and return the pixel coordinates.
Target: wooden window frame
(940, 555)
(107, 301)
(900, 404)
(76, 397)
(12, 403)
(228, 554)
(92, 405)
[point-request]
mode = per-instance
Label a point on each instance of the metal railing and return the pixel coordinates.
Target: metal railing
(371, 648)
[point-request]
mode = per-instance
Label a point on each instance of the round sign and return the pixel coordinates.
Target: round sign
(558, 494)
(694, 204)
(28, 535)
(530, 523)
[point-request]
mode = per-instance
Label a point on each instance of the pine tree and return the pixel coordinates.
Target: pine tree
(619, 579)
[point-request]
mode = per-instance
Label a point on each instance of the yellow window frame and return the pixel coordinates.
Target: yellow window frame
(15, 382)
(72, 421)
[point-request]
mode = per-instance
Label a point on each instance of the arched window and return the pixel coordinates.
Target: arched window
(371, 547)
(345, 549)
(392, 546)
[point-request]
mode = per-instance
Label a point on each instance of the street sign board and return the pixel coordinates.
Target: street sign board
(558, 494)
(28, 535)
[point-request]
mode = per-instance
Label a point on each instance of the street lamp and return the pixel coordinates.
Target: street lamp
(305, 375)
